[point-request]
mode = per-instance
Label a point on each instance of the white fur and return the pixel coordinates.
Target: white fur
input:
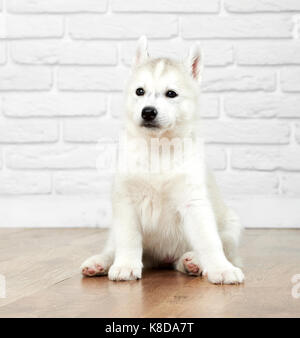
(177, 216)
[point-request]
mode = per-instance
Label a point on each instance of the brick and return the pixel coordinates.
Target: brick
(266, 158)
(290, 184)
(290, 79)
(56, 6)
(92, 78)
(58, 211)
(193, 6)
(270, 53)
(82, 183)
(218, 80)
(254, 6)
(296, 19)
(297, 134)
(243, 132)
(244, 26)
(214, 53)
(54, 104)
(64, 52)
(34, 26)
(247, 183)
(122, 26)
(116, 106)
(2, 26)
(25, 78)
(269, 211)
(216, 157)
(91, 130)
(262, 105)
(209, 106)
(2, 52)
(52, 157)
(16, 183)
(27, 131)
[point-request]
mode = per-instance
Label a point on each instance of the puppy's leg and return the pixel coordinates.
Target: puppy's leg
(230, 234)
(189, 263)
(201, 231)
(128, 243)
(99, 264)
(229, 225)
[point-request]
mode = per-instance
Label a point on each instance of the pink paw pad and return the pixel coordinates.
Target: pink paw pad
(193, 268)
(88, 271)
(99, 268)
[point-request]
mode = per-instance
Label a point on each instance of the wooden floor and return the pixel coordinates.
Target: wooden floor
(43, 280)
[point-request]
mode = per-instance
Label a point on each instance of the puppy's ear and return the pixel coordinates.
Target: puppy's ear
(141, 52)
(194, 63)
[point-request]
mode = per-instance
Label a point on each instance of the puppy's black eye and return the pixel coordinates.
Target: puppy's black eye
(140, 92)
(171, 94)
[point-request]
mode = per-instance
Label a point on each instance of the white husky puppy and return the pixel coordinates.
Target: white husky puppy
(175, 217)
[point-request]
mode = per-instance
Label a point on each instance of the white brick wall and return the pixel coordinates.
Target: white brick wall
(33, 26)
(57, 6)
(63, 64)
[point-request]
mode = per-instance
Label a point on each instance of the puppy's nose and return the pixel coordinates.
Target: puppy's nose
(149, 113)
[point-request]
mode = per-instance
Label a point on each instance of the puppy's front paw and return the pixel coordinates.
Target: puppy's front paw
(227, 275)
(120, 272)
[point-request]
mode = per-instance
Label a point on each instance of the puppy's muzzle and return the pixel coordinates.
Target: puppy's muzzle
(148, 115)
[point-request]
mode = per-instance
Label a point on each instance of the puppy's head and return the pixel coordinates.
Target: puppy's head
(162, 93)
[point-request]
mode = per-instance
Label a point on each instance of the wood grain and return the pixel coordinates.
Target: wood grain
(43, 280)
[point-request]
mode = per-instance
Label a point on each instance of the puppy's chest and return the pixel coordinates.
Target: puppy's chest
(156, 199)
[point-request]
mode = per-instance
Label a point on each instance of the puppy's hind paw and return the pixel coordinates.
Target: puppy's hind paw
(96, 266)
(189, 263)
